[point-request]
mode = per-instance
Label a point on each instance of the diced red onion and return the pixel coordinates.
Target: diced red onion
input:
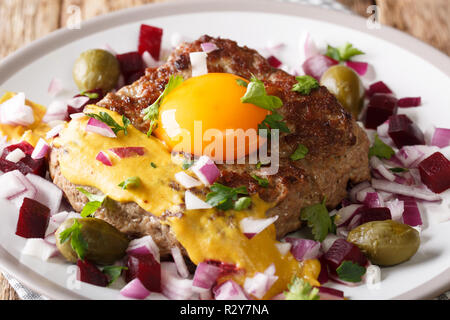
(208, 47)
(103, 157)
(41, 150)
(78, 101)
(251, 227)
(372, 277)
(260, 283)
(383, 129)
(411, 213)
(409, 102)
(186, 180)
(198, 63)
(359, 67)
(78, 115)
(47, 192)
(357, 188)
(39, 248)
(307, 47)
(174, 287)
(179, 262)
(193, 202)
(55, 87)
(361, 195)
(206, 170)
(15, 155)
(176, 39)
(441, 138)
(30, 191)
(342, 232)
(144, 245)
(149, 61)
(52, 227)
(135, 290)
(205, 276)
(328, 242)
(378, 87)
(396, 207)
(317, 65)
(283, 247)
(126, 152)
(12, 186)
(330, 293)
(377, 164)
(336, 279)
(229, 290)
(304, 249)
(345, 214)
(354, 222)
(411, 191)
(57, 110)
(14, 111)
(373, 200)
(54, 131)
(100, 128)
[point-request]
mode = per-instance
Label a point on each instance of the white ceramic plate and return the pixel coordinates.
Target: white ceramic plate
(410, 67)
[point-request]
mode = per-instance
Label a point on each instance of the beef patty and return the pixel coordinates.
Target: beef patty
(338, 147)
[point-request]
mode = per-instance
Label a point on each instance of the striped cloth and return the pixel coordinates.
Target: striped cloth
(27, 294)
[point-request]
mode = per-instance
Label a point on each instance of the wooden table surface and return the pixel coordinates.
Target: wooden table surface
(22, 21)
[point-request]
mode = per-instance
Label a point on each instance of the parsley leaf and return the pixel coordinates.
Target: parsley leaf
(380, 149)
(263, 182)
(242, 82)
(133, 182)
(398, 170)
(305, 84)
(242, 203)
(274, 121)
(350, 271)
(299, 289)
(299, 153)
(151, 112)
(95, 202)
(106, 118)
(343, 53)
(224, 197)
(90, 95)
(113, 272)
(187, 164)
(153, 165)
(318, 220)
(77, 241)
(256, 94)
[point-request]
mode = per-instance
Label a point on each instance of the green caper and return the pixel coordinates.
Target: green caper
(104, 243)
(95, 69)
(346, 85)
(386, 242)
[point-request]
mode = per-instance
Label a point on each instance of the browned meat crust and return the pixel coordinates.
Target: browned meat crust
(338, 147)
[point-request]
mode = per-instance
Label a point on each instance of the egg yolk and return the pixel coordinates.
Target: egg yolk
(205, 115)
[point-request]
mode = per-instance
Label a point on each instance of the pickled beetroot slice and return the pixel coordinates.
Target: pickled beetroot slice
(89, 273)
(130, 62)
(374, 214)
(33, 219)
(146, 269)
(150, 40)
(404, 132)
(25, 165)
(381, 106)
(274, 62)
(435, 172)
(341, 251)
(378, 87)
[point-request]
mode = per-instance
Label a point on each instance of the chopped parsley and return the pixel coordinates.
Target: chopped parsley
(398, 170)
(350, 271)
(343, 53)
(106, 118)
(133, 182)
(256, 94)
(187, 164)
(95, 202)
(226, 198)
(274, 121)
(318, 220)
(242, 82)
(263, 182)
(299, 153)
(242, 203)
(380, 149)
(299, 289)
(305, 84)
(90, 95)
(153, 165)
(113, 272)
(151, 112)
(77, 241)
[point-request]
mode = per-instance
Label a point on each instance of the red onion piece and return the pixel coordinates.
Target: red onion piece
(144, 246)
(357, 188)
(373, 200)
(186, 180)
(126, 152)
(396, 207)
(317, 65)
(179, 262)
(41, 150)
(103, 157)
(411, 213)
(359, 67)
(411, 156)
(205, 276)
(146, 269)
(78, 115)
(78, 102)
(174, 287)
(149, 61)
(441, 138)
(377, 164)
(260, 283)
(251, 227)
(57, 110)
(283, 247)
(208, 47)
(416, 192)
(55, 87)
(361, 195)
(345, 214)
(12, 186)
(308, 47)
(229, 290)
(39, 248)
(409, 102)
(304, 249)
(330, 293)
(193, 202)
(47, 192)
(435, 172)
(378, 87)
(14, 111)
(54, 132)
(135, 290)
(100, 128)
(206, 170)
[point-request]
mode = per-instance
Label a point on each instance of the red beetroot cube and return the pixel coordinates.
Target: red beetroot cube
(274, 62)
(378, 87)
(381, 106)
(374, 214)
(33, 219)
(134, 76)
(150, 40)
(130, 63)
(341, 251)
(146, 269)
(435, 172)
(25, 165)
(89, 273)
(404, 132)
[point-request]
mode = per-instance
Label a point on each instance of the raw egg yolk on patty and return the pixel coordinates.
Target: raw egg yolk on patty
(205, 115)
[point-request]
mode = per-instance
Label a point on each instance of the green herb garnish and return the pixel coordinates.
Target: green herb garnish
(95, 202)
(90, 95)
(299, 289)
(153, 165)
(350, 271)
(106, 118)
(318, 220)
(274, 121)
(77, 241)
(242, 82)
(224, 197)
(305, 84)
(256, 94)
(263, 182)
(398, 170)
(133, 182)
(242, 203)
(187, 164)
(343, 53)
(113, 272)
(299, 153)
(151, 113)
(380, 149)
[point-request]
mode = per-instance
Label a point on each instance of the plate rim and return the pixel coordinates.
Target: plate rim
(61, 37)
